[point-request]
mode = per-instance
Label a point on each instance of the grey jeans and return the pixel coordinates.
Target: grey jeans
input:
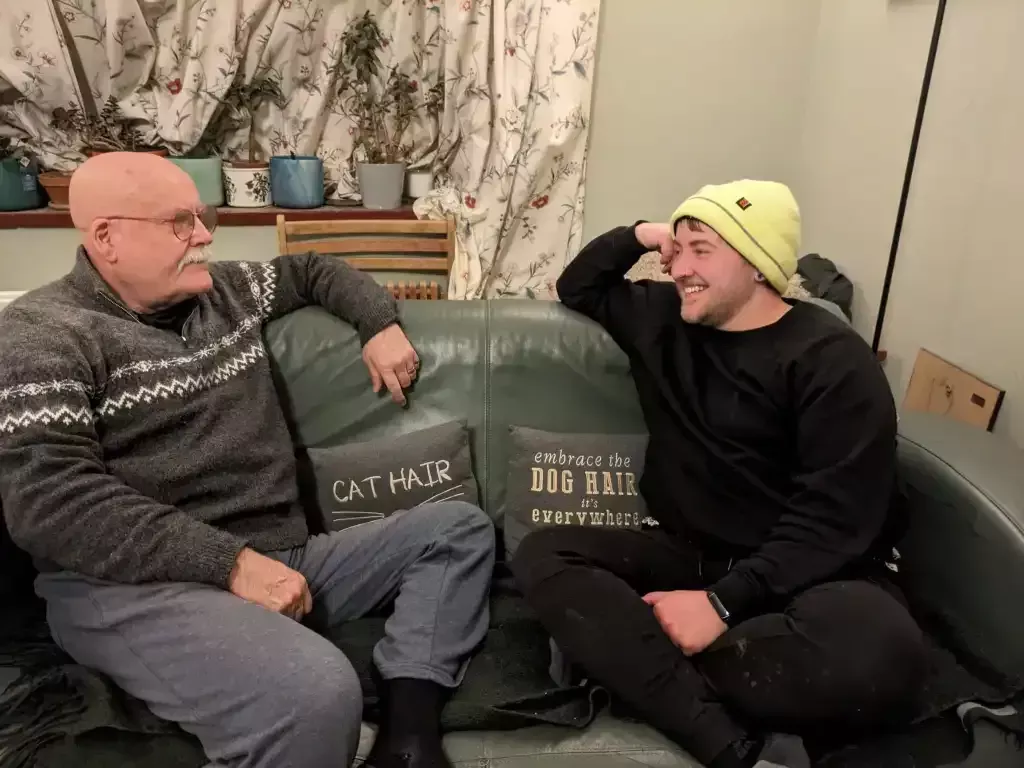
(259, 689)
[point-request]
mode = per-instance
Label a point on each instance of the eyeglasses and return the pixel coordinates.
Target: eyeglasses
(183, 222)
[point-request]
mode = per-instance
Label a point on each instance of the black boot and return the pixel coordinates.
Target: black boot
(410, 726)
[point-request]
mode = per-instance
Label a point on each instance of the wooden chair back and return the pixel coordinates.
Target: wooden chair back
(380, 245)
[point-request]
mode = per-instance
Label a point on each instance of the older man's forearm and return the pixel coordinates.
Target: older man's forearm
(344, 291)
(85, 521)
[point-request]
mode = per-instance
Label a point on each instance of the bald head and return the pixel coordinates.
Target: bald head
(125, 204)
(128, 184)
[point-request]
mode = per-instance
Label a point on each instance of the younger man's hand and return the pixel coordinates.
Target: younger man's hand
(688, 618)
(657, 237)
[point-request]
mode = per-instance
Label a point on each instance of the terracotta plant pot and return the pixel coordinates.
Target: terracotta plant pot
(56, 184)
(247, 185)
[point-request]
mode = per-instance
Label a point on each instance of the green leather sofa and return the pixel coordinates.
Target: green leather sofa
(537, 364)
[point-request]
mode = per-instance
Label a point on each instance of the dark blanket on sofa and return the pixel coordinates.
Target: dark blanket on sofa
(61, 715)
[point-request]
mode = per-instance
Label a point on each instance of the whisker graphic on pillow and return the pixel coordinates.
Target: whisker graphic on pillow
(437, 496)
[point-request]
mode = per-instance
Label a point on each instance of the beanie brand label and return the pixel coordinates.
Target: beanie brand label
(743, 203)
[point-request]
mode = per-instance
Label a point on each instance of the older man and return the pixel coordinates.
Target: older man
(146, 464)
(762, 602)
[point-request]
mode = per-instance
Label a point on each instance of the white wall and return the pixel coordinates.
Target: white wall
(820, 95)
(33, 257)
(957, 285)
(691, 92)
(864, 80)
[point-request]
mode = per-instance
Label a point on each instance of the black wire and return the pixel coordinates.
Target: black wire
(922, 105)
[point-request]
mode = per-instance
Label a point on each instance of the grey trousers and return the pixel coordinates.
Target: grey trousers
(261, 690)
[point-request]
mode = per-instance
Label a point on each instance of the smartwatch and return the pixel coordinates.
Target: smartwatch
(720, 609)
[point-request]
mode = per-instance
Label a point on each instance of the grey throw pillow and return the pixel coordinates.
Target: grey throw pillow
(360, 482)
(566, 479)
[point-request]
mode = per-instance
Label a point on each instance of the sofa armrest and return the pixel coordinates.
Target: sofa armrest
(963, 555)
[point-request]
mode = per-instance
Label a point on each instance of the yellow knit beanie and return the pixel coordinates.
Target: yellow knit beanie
(760, 219)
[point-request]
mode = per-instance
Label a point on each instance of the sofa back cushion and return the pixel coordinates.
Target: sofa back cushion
(491, 364)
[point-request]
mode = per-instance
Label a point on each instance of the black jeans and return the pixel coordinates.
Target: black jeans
(845, 652)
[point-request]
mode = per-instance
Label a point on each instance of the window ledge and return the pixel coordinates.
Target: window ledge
(41, 218)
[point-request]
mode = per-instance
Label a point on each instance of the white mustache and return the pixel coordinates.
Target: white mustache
(199, 255)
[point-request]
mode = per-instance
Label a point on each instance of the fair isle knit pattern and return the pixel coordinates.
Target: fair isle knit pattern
(173, 377)
(210, 350)
(183, 385)
(261, 279)
(132, 452)
(13, 419)
(262, 290)
(231, 354)
(61, 414)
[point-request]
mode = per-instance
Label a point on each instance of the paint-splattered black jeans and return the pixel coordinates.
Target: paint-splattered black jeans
(843, 653)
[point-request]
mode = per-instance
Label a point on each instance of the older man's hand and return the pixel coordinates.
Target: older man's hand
(270, 583)
(392, 362)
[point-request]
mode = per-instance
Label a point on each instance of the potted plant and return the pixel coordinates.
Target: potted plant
(381, 105)
(111, 131)
(419, 181)
(19, 185)
(297, 181)
(90, 134)
(246, 182)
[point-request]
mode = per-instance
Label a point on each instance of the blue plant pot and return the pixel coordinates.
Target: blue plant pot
(19, 187)
(297, 182)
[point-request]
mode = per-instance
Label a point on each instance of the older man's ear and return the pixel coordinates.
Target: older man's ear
(98, 241)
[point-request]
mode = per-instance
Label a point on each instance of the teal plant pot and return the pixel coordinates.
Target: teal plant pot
(206, 173)
(19, 186)
(297, 182)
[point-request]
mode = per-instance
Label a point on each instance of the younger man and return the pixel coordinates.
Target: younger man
(761, 601)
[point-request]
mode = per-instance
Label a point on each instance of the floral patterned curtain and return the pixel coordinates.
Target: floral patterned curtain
(509, 146)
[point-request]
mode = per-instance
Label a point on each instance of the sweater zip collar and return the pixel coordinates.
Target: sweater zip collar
(85, 276)
(134, 316)
(118, 305)
(90, 282)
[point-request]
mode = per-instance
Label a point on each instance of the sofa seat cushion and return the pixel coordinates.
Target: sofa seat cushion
(608, 742)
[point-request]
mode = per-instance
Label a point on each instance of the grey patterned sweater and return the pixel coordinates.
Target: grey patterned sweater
(132, 453)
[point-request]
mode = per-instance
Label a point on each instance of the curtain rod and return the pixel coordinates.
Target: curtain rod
(922, 105)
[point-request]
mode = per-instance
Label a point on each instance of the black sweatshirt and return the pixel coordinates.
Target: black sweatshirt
(775, 447)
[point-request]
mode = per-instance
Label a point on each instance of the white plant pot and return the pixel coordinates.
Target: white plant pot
(247, 187)
(418, 183)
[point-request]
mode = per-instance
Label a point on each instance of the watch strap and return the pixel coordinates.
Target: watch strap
(719, 606)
